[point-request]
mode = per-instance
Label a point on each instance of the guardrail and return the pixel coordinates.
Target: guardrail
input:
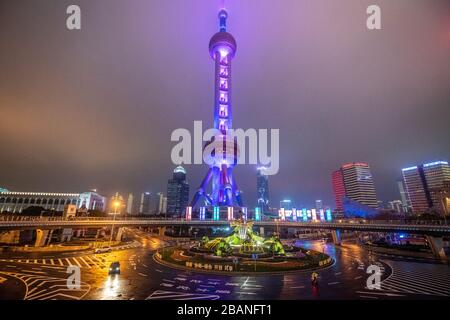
(274, 221)
(53, 222)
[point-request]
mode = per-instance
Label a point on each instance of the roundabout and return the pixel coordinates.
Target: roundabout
(242, 252)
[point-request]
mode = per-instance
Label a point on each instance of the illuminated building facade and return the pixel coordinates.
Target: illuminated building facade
(177, 193)
(338, 189)
(354, 181)
(145, 203)
(423, 184)
(223, 158)
(16, 202)
(262, 189)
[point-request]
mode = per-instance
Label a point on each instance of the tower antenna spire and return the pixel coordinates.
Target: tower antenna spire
(223, 15)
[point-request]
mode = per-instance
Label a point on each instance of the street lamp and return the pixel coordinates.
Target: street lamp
(116, 205)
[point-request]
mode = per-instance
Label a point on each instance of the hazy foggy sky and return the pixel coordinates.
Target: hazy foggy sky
(95, 108)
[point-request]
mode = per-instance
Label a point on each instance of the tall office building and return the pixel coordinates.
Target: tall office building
(262, 188)
(130, 201)
(145, 204)
(286, 204)
(406, 204)
(319, 205)
(177, 192)
(396, 205)
(338, 189)
(354, 181)
(423, 184)
(159, 199)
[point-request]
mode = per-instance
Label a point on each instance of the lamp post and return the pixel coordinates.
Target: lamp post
(116, 205)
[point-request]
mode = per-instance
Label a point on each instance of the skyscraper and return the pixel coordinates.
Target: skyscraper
(319, 205)
(145, 204)
(262, 189)
(177, 192)
(130, 202)
(338, 189)
(222, 49)
(423, 183)
(354, 181)
(406, 203)
(159, 199)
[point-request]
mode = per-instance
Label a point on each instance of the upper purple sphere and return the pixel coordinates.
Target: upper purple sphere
(222, 41)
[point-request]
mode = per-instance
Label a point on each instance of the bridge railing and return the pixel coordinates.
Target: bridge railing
(18, 218)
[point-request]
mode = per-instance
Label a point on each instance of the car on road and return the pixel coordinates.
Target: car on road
(103, 250)
(114, 268)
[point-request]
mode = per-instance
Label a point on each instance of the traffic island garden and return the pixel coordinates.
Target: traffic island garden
(242, 252)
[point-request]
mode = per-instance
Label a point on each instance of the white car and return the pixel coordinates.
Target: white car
(103, 250)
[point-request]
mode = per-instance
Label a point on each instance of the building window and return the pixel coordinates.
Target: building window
(20, 200)
(2, 200)
(38, 201)
(44, 201)
(26, 201)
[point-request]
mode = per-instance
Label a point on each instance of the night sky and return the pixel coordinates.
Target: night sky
(95, 108)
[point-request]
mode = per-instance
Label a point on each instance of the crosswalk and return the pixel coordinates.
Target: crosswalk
(413, 278)
(40, 287)
(88, 261)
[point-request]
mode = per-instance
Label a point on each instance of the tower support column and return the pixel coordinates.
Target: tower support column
(336, 236)
(41, 237)
(437, 246)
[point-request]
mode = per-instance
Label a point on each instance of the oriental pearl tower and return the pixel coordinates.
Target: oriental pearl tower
(223, 158)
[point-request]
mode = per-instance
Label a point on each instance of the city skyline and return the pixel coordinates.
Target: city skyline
(44, 147)
(327, 164)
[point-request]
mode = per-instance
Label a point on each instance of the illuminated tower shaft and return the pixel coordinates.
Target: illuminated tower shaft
(222, 48)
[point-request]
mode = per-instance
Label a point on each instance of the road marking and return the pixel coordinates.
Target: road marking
(85, 262)
(68, 261)
(43, 261)
(337, 273)
(168, 280)
(77, 262)
(298, 287)
(89, 258)
(164, 295)
(250, 293)
(141, 274)
(2, 280)
(52, 261)
(32, 271)
(382, 293)
(60, 262)
(358, 277)
(11, 266)
(35, 261)
(231, 284)
(333, 283)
